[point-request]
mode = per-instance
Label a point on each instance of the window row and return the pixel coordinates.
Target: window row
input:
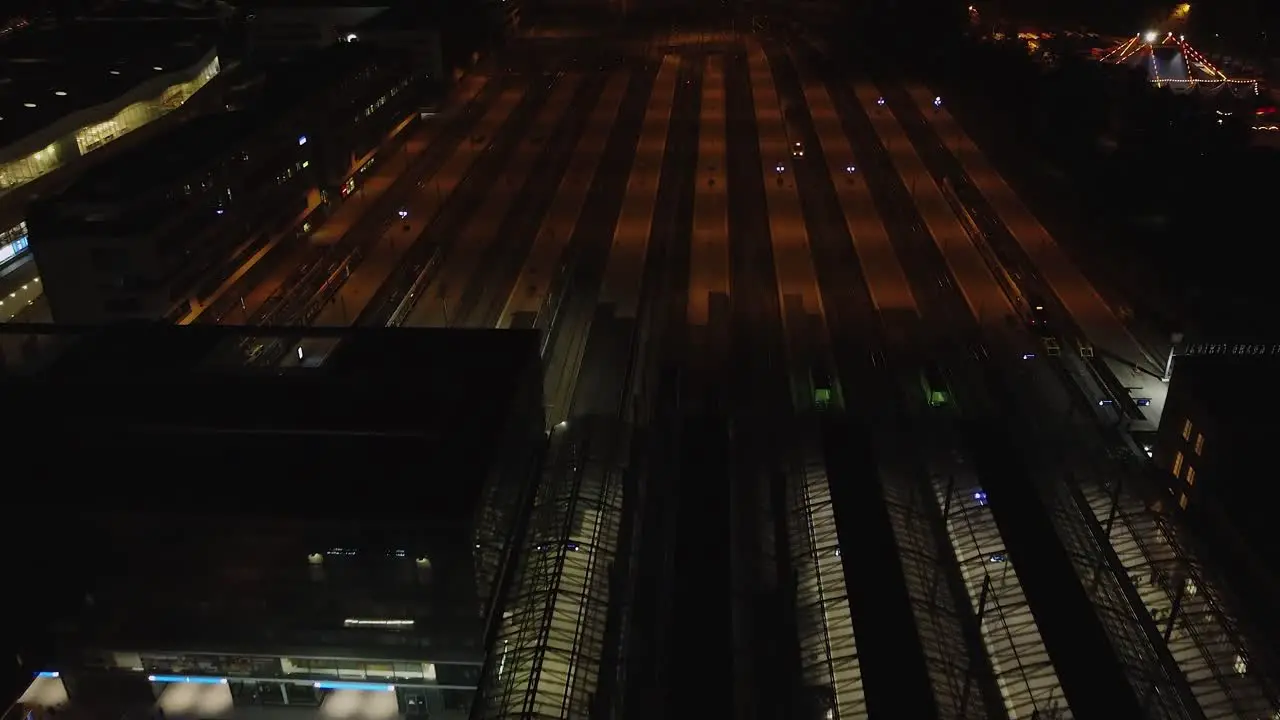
(23, 170)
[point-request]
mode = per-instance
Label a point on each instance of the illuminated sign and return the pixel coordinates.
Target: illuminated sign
(192, 679)
(12, 250)
(1230, 349)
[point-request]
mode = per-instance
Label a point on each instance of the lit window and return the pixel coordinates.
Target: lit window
(1241, 664)
(1177, 464)
(1199, 443)
(1182, 501)
(1186, 429)
(1191, 476)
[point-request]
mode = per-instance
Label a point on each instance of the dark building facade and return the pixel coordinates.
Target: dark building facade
(74, 93)
(1211, 454)
(133, 237)
(145, 234)
(357, 537)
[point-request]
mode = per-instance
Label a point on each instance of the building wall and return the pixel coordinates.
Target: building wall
(149, 248)
(277, 30)
(191, 228)
(359, 121)
(83, 132)
(507, 488)
(1212, 456)
(1188, 439)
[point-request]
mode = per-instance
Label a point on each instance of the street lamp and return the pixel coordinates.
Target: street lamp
(1175, 339)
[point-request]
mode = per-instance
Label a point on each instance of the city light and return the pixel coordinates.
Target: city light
(191, 679)
(359, 622)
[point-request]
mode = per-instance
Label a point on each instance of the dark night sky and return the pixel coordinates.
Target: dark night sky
(1238, 21)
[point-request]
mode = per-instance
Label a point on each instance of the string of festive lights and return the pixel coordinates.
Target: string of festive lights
(1146, 43)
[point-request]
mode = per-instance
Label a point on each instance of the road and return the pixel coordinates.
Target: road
(547, 255)
(623, 273)
(709, 252)
(461, 265)
(986, 300)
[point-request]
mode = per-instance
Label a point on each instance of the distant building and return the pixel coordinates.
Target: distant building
(277, 27)
(75, 86)
(440, 36)
(1213, 455)
(286, 535)
(165, 223)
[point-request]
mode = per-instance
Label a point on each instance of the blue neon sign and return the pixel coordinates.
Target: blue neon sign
(12, 250)
(193, 679)
(339, 685)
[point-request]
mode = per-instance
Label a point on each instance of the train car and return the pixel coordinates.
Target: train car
(936, 391)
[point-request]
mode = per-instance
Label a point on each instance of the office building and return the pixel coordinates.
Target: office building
(286, 536)
(142, 235)
(76, 86)
(1211, 454)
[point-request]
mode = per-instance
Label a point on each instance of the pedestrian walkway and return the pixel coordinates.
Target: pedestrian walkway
(709, 250)
(886, 281)
(987, 301)
(788, 234)
(623, 274)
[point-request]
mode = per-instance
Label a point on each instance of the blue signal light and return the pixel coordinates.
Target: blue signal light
(192, 679)
(339, 685)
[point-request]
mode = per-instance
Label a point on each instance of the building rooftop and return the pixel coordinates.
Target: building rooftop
(163, 159)
(53, 68)
(261, 94)
(283, 83)
(388, 406)
(237, 583)
(414, 15)
(251, 5)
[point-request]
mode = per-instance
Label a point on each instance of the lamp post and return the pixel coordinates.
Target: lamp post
(1175, 339)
